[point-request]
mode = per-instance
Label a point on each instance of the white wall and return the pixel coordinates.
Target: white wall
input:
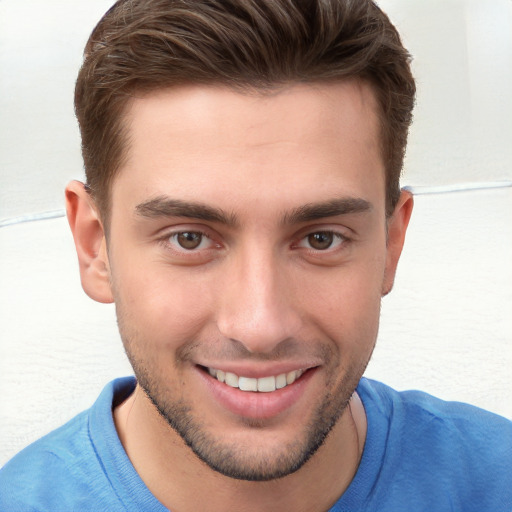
(447, 326)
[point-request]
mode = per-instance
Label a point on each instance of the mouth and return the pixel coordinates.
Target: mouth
(252, 394)
(256, 385)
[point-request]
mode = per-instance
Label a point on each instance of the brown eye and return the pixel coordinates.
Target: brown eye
(189, 239)
(321, 240)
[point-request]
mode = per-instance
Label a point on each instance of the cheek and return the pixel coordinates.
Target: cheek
(346, 304)
(161, 307)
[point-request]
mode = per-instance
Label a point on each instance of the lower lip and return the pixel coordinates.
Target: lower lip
(254, 405)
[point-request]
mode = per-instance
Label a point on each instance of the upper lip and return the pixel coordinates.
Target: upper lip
(257, 371)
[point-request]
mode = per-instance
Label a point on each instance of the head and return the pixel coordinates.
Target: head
(253, 45)
(243, 211)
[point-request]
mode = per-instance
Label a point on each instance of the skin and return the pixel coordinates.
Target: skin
(285, 195)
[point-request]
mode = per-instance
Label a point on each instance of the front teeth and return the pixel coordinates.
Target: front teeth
(263, 384)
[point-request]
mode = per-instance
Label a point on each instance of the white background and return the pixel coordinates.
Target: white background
(447, 326)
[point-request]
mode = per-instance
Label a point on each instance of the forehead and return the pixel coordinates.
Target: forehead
(286, 145)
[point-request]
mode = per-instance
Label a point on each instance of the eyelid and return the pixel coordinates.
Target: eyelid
(167, 234)
(336, 229)
(340, 237)
(203, 240)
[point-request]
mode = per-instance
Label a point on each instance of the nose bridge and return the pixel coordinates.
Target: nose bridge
(258, 309)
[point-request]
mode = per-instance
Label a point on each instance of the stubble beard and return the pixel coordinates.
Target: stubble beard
(229, 458)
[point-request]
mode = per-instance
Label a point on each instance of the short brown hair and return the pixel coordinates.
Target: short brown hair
(144, 45)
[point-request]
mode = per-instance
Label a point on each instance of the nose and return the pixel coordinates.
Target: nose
(258, 307)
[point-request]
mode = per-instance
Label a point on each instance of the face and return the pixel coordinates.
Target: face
(248, 256)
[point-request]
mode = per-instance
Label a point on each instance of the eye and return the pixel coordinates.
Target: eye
(322, 240)
(190, 240)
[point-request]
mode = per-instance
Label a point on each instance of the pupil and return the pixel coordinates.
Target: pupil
(189, 240)
(322, 240)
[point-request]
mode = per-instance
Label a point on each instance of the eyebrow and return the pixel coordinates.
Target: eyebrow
(163, 206)
(167, 207)
(332, 208)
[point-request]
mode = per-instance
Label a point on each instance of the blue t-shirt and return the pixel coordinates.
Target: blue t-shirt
(421, 454)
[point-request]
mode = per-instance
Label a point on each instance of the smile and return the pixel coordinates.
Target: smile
(261, 385)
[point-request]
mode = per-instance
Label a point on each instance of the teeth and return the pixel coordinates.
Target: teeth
(231, 380)
(263, 384)
(247, 384)
(267, 384)
(290, 377)
(281, 381)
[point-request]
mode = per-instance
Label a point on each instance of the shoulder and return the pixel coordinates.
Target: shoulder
(62, 469)
(433, 414)
(53, 462)
(448, 448)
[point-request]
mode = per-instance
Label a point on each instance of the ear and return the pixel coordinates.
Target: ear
(90, 242)
(396, 226)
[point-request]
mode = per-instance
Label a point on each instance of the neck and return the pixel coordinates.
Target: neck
(183, 483)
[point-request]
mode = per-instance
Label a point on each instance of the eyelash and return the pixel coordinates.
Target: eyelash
(338, 240)
(171, 244)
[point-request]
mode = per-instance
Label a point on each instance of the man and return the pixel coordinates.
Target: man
(243, 211)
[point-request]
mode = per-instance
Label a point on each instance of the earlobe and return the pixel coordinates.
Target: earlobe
(90, 242)
(397, 227)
